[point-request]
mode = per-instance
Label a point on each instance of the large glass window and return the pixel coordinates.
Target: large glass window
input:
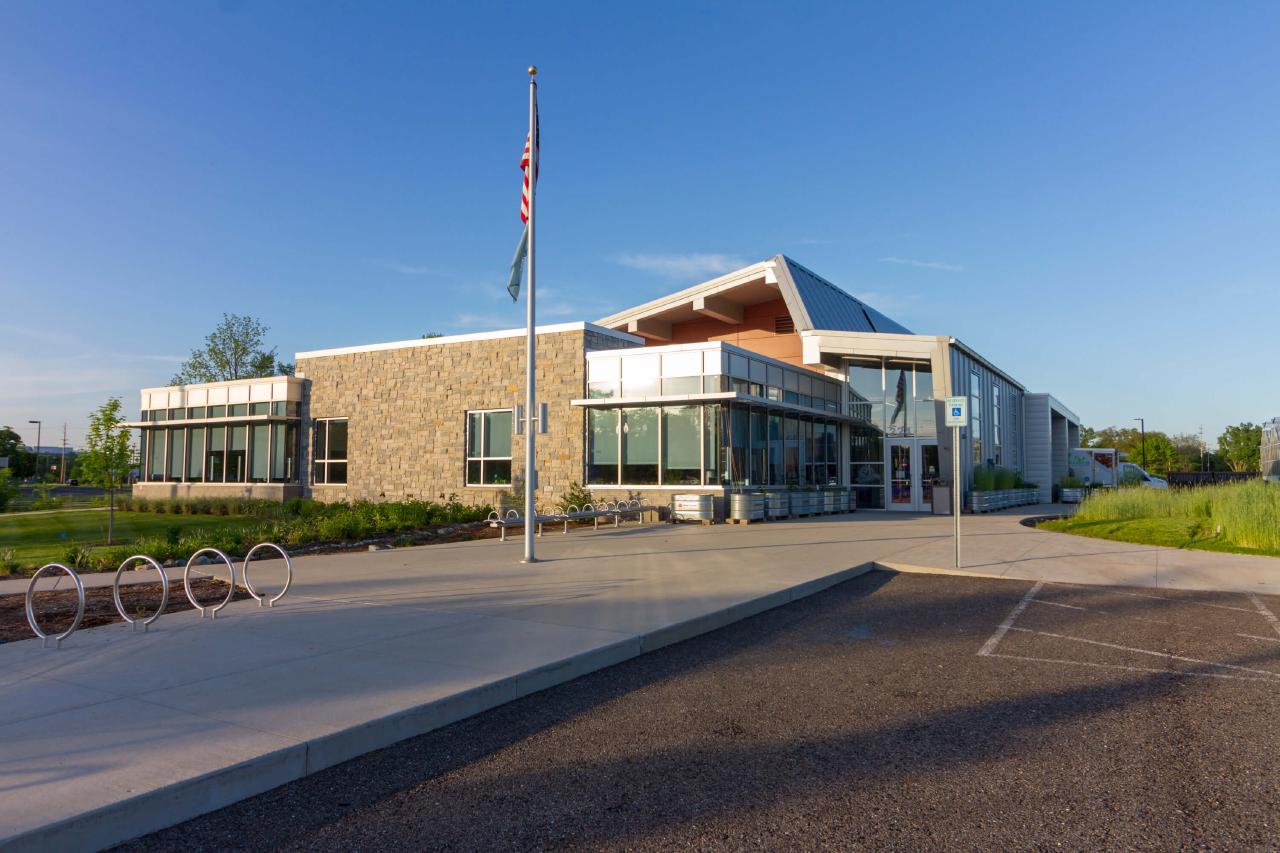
(866, 465)
(237, 448)
(711, 417)
(215, 455)
(284, 453)
(156, 443)
(489, 448)
(640, 377)
(640, 446)
(759, 447)
(776, 475)
(739, 444)
(331, 451)
(681, 440)
(602, 446)
(975, 415)
(259, 452)
(195, 454)
(791, 449)
(177, 455)
(995, 422)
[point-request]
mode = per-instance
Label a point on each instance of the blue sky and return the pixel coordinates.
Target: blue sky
(1087, 194)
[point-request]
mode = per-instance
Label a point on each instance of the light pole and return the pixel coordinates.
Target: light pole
(1143, 424)
(39, 427)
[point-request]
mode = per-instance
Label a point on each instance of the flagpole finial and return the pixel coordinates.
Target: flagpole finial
(533, 71)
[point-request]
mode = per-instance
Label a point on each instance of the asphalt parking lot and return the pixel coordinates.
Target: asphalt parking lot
(893, 711)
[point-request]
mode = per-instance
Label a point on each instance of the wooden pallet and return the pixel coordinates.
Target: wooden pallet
(744, 520)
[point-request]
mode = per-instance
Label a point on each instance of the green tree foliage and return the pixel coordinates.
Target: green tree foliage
(8, 489)
(1162, 453)
(1241, 446)
(1088, 437)
(106, 460)
(233, 350)
(21, 460)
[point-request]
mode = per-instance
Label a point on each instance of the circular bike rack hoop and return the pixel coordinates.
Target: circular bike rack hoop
(244, 573)
(31, 614)
(186, 582)
(164, 593)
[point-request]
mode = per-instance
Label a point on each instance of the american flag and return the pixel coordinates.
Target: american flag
(524, 165)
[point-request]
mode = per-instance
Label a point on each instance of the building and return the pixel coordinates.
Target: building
(767, 376)
(1269, 453)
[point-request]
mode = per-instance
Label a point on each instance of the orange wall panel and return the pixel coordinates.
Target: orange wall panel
(754, 333)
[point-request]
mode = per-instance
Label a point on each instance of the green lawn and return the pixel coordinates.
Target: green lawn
(1167, 532)
(42, 538)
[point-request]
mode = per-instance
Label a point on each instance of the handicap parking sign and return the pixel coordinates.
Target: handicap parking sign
(957, 411)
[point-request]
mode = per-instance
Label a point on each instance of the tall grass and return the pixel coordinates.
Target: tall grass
(1248, 513)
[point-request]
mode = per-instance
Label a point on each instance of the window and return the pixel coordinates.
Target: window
(236, 452)
(489, 448)
(215, 454)
(331, 451)
(975, 415)
(284, 452)
(176, 456)
(995, 422)
(640, 446)
(195, 454)
(602, 446)
(260, 450)
(155, 469)
(681, 454)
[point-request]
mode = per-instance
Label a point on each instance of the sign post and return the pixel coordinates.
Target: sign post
(957, 418)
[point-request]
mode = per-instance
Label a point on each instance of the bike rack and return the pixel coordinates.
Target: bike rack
(31, 614)
(186, 582)
(164, 593)
(244, 573)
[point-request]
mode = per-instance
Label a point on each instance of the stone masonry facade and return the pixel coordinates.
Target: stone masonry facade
(407, 415)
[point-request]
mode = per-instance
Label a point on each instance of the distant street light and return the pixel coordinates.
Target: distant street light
(39, 427)
(1143, 423)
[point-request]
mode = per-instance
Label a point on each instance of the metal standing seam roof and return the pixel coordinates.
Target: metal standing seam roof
(834, 309)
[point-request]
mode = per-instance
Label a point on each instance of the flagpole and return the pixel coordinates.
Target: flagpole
(530, 399)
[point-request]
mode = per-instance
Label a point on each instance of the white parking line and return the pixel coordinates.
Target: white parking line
(990, 645)
(1266, 612)
(1132, 668)
(1164, 655)
(1165, 599)
(1256, 637)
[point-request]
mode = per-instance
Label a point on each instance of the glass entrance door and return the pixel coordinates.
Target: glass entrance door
(929, 472)
(913, 466)
(902, 475)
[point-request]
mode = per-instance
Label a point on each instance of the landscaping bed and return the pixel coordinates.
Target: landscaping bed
(57, 608)
(1240, 518)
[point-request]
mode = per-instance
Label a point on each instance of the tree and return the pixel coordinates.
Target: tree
(1088, 436)
(8, 491)
(106, 460)
(1241, 446)
(21, 460)
(233, 350)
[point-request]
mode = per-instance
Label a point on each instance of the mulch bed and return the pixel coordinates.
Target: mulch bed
(56, 609)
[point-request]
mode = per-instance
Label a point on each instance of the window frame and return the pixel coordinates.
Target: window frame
(467, 458)
(327, 459)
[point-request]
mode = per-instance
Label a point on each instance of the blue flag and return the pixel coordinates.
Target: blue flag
(517, 265)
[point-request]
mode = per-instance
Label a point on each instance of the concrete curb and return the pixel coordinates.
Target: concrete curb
(181, 801)
(909, 569)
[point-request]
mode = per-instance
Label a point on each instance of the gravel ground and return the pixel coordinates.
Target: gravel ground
(861, 718)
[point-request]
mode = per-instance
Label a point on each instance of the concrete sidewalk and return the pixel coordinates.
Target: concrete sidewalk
(118, 734)
(998, 545)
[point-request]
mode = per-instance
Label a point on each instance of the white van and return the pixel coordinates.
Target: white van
(1104, 466)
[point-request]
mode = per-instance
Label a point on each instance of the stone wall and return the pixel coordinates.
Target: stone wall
(407, 412)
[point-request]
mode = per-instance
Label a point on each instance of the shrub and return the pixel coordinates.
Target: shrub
(984, 479)
(8, 561)
(76, 556)
(1005, 479)
(576, 495)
